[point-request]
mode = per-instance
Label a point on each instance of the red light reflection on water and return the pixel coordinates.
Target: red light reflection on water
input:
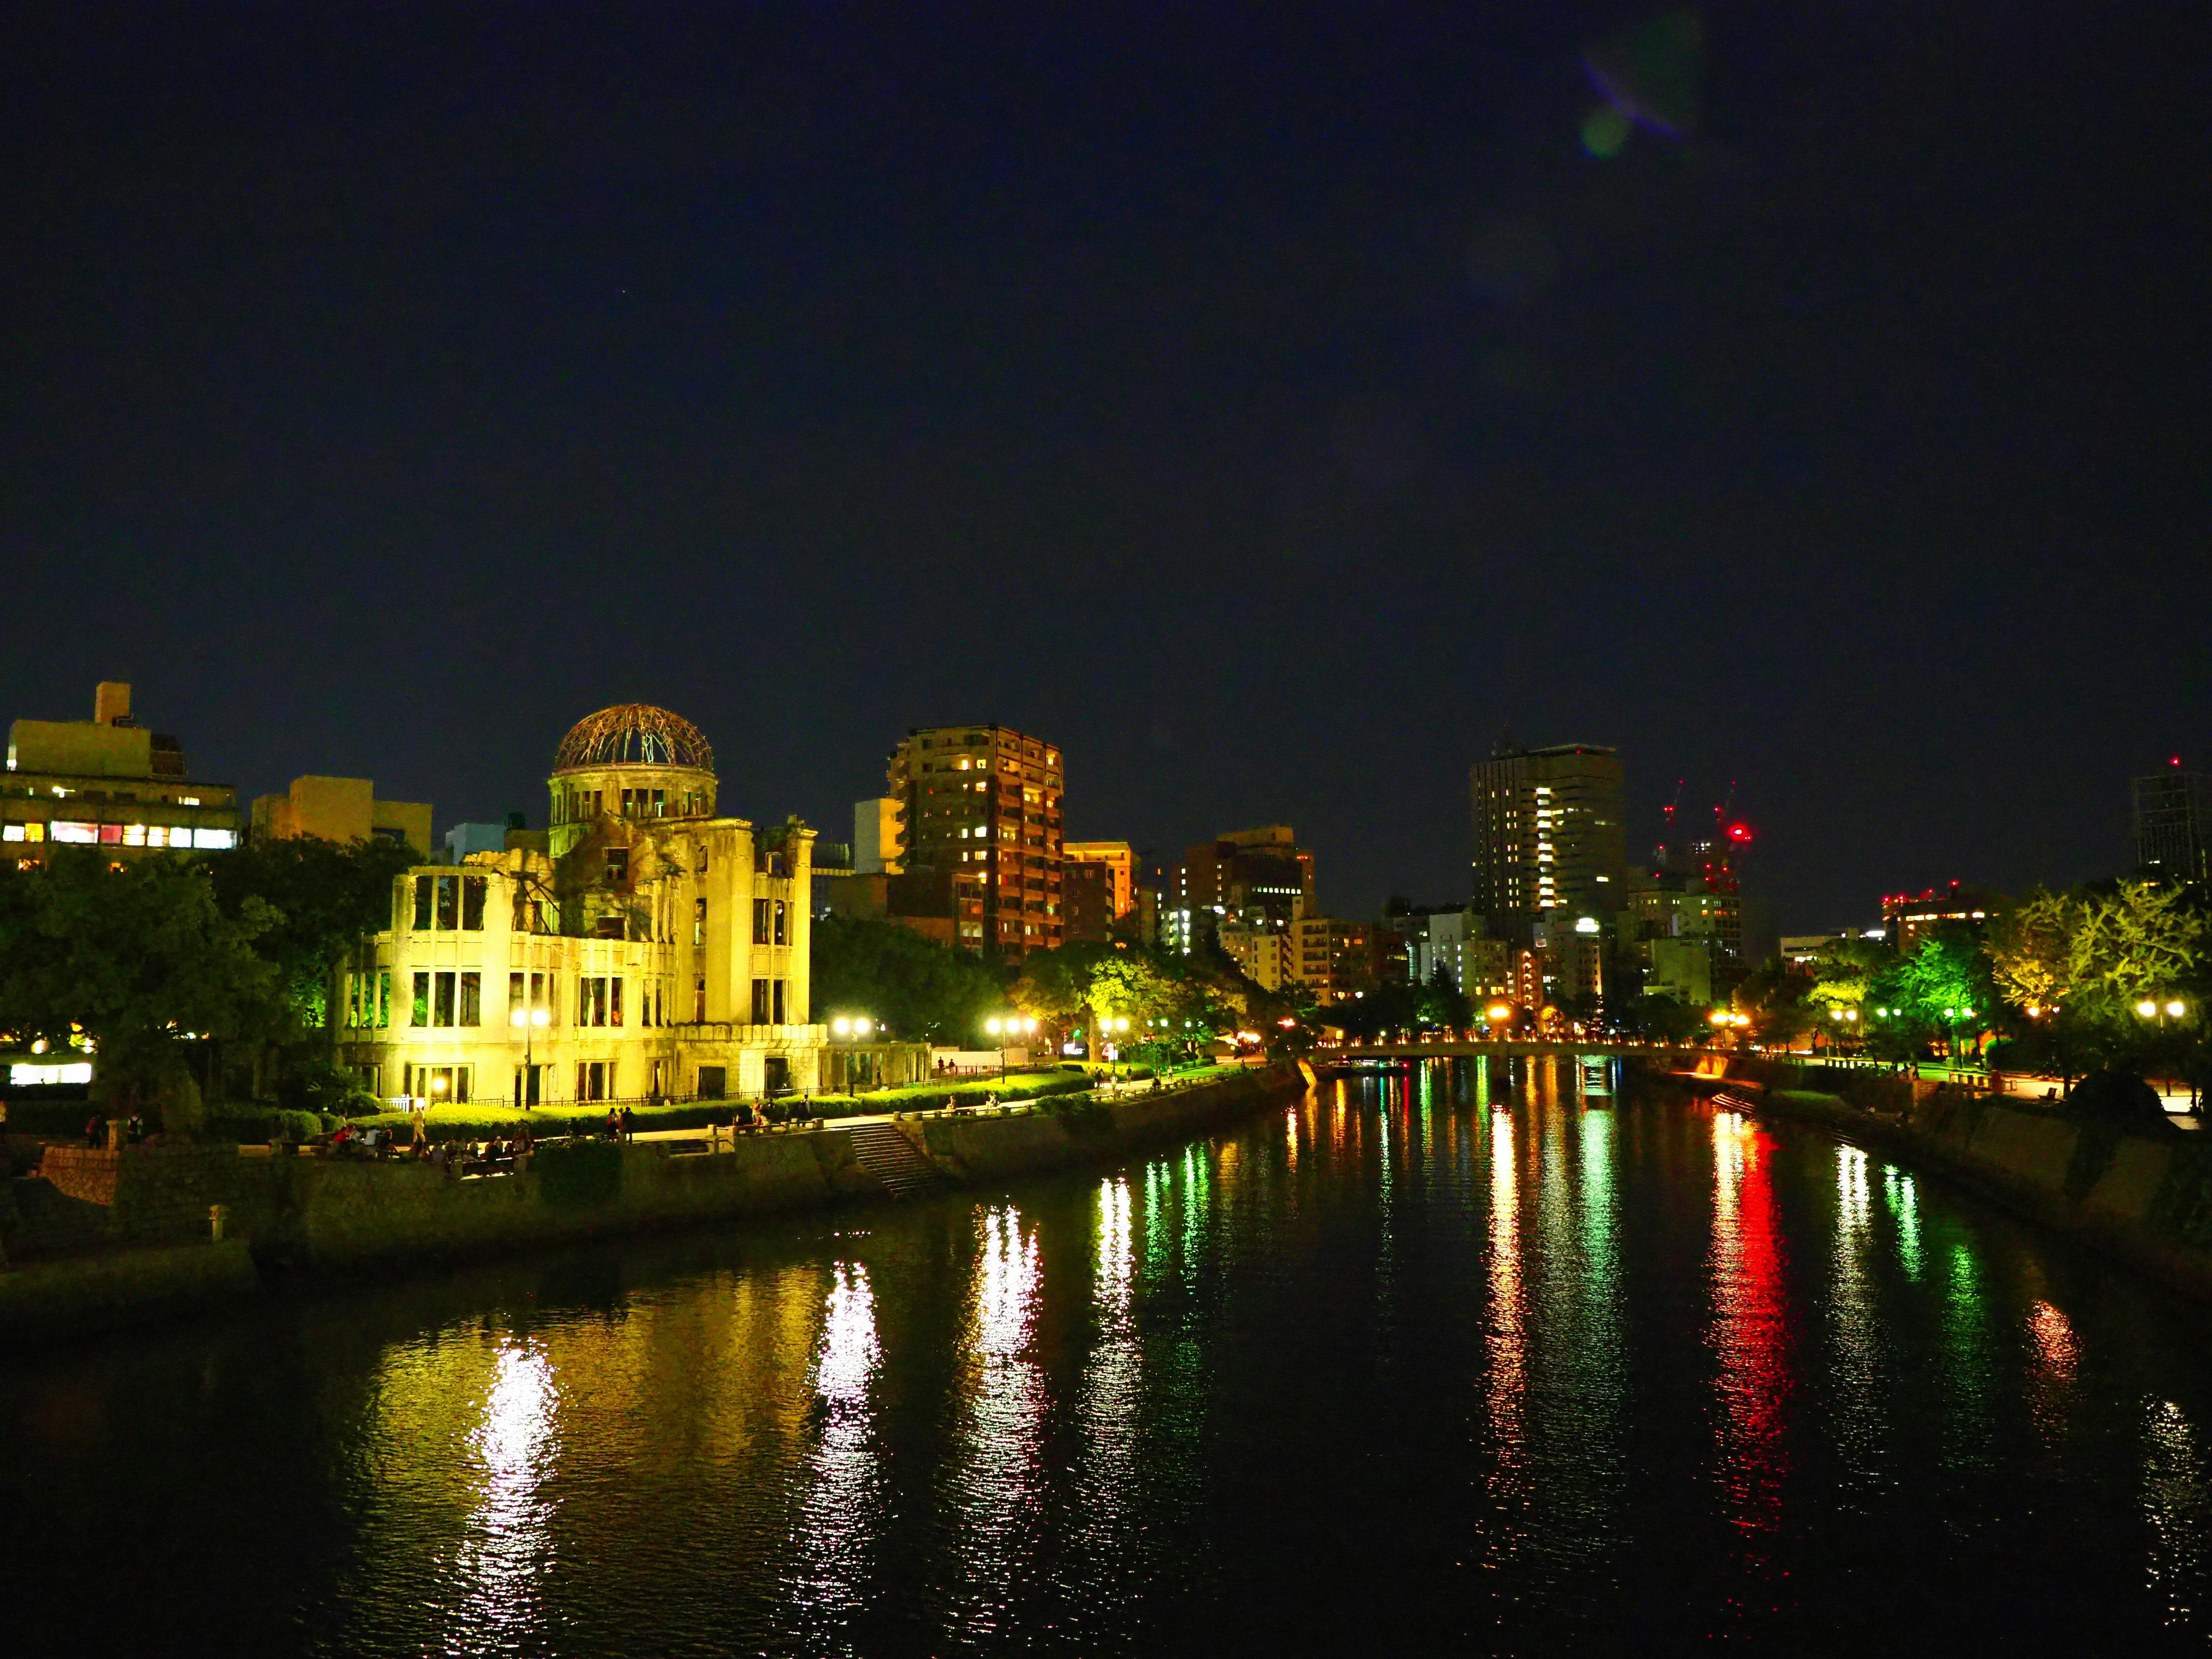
(1750, 1333)
(2051, 1373)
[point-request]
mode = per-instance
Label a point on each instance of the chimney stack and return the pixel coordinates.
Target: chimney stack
(111, 703)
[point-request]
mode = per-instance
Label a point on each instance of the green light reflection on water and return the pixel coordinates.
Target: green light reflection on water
(1904, 1204)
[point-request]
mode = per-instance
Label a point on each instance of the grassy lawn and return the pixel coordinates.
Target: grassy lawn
(489, 1118)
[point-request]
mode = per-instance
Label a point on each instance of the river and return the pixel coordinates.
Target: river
(1466, 1362)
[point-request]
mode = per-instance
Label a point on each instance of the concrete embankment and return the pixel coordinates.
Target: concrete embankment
(133, 1216)
(2144, 1199)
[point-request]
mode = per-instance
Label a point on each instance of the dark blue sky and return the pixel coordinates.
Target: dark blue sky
(1269, 406)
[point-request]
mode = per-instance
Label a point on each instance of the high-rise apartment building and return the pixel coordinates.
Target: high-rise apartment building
(1548, 833)
(1334, 959)
(2173, 823)
(1119, 859)
(982, 805)
(1265, 956)
(875, 849)
(1453, 941)
(1086, 897)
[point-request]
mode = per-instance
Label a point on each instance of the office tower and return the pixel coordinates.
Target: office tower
(1260, 875)
(981, 805)
(1548, 833)
(2172, 815)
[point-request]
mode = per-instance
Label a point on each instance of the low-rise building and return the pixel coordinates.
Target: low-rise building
(343, 810)
(1910, 918)
(110, 783)
(657, 947)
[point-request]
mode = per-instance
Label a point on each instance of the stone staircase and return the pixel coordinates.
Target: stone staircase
(890, 1156)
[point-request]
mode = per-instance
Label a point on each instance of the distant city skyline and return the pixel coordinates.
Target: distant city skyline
(1270, 410)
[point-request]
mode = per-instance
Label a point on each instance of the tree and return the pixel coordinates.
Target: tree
(326, 898)
(1442, 1004)
(2030, 952)
(2138, 944)
(130, 960)
(921, 990)
(1054, 987)
(2081, 966)
(1943, 986)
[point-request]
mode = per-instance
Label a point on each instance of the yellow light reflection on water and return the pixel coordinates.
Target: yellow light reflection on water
(1505, 1390)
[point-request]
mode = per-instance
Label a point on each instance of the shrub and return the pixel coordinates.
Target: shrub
(2118, 1100)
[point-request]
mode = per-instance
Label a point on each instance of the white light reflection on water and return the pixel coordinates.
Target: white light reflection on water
(1109, 1405)
(998, 1479)
(841, 1510)
(1855, 1321)
(2175, 1505)
(507, 1548)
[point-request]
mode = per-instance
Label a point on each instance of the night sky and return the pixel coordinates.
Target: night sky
(1270, 406)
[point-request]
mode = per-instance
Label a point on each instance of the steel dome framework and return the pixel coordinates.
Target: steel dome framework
(634, 734)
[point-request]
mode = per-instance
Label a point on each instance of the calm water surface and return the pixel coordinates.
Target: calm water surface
(1465, 1364)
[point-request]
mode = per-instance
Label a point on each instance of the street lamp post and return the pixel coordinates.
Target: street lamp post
(1003, 1028)
(530, 1020)
(2162, 1010)
(852, 1026)
(1116, 1025)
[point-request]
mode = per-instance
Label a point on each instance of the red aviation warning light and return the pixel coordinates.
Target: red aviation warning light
(1740, 833)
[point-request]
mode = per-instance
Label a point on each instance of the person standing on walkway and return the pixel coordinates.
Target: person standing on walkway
(628, 1131)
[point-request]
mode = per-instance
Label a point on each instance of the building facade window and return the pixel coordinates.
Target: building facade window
(440, 1085)
(760, 1002)
(598, 999)
(760, 920)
